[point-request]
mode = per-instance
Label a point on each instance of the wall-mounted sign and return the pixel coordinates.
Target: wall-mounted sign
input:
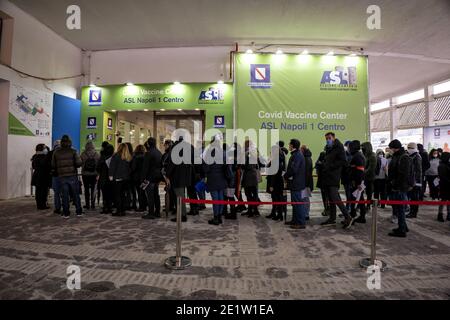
(110, 123)
(95, 97)
(91, 123)
(219, 121)
(92, 136)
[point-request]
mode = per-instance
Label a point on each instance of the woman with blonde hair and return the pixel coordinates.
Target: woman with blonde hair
(119, 174)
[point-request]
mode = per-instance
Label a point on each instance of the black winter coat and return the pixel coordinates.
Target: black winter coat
(137, 166)
(308, 170)
(276, 181)
(399, 170)
(102, 167)
(334, 162)
(119, 169)
(444, 177)
(181, 175)
(152, 165)
(41, 171)
(357, 163)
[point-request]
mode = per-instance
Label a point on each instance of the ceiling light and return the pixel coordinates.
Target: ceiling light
(305, 51)
(92, 85)
(249, 51)
(145, 110)
(197, 109)
(330, 53)
(180, 109)
(129, 110)
(220, 82)
(279, 51)
(162, 109)
(352, 54)
(129, 84)
(113, 110)
(177, 83)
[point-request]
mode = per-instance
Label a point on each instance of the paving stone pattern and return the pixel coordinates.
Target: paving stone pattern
(251, 258)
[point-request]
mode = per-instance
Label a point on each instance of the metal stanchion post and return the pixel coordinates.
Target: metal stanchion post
(178, 262)
(366, 262)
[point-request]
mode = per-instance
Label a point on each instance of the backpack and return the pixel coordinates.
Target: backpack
(90, 165)
(378, 167)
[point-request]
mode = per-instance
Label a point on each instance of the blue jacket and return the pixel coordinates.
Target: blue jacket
(296, 173)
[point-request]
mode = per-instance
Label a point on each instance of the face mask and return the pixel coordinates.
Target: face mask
(345, 148)
(329, 142)
(411, 151)
(45, 151)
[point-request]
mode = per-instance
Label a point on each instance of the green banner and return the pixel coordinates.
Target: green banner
(303, 96)
(215, 99)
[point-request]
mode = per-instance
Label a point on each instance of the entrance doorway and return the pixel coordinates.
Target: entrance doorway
(137, 126)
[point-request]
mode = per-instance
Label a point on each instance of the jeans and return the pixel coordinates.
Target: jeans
(217, 208)
(348, 195)
(153, 199)
(380, 190)
(414, 195)
(399, 210)
(70, 185)
(333, 196)
(89, 183)
(299, 211)
(56, 186)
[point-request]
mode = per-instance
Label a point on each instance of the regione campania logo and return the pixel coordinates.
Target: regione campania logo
(95, 97)
(260, 76)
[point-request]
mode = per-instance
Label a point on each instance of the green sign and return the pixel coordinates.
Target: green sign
(303, 96)
(102, 102)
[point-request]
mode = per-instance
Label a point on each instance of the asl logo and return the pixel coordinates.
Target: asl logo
(95, 97)
(260, 76)
(341, 76)
(219, 121)
(213, 94)
(92, 123)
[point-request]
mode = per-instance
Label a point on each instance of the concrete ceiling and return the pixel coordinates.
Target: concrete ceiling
(411, 49)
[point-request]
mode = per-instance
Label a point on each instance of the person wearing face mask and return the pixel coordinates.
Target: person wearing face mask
(41, 177)
(414, 193)
(432, 174)
(334, 162)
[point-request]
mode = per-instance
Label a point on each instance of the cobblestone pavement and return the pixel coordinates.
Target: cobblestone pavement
(251, 258)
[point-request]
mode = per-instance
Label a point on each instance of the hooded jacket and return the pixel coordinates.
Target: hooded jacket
(334, 162)
(357, 164)
(308, 169)
(398, 171)
(371, 161)
(66, 160)
(89, 153)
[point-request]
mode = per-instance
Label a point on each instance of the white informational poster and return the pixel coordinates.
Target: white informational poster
(30, 112)
(437, 137)
(410, 135)
(380, 140)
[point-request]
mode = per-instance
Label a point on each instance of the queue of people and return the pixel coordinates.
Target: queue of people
(128, 179)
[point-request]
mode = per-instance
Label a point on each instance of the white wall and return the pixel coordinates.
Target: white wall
(38, 51)
(160, 65)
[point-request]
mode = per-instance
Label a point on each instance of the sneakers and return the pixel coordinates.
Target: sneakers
(79, 215)
(328, 223)
(348, 222)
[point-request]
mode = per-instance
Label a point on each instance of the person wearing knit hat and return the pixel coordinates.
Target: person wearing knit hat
(397, 180)
(414, 193)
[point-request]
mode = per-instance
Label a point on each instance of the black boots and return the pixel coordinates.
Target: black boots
(215, 221)
(278, 217)
(232, 215)
(440, 217)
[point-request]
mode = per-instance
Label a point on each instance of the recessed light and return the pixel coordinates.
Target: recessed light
(92, 85)
(197, 109)
(330, 53)
(129, 84)
(162, 109)
(180, 109)
(129, 110)
(353, 55)
(177, 83)
(305, 51)
(145, 110)
(249, 51)
(279, 51)
(113, 110)
(220, 82)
